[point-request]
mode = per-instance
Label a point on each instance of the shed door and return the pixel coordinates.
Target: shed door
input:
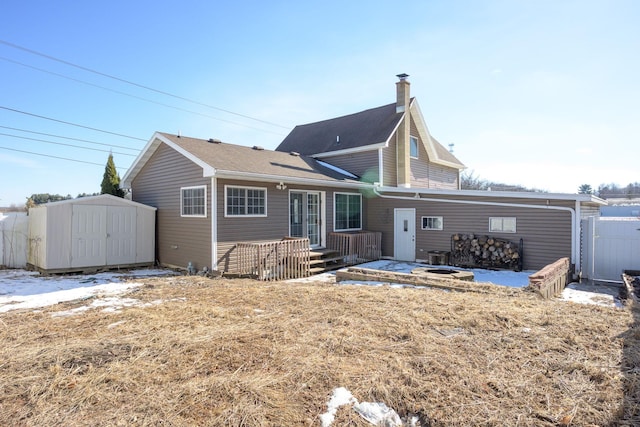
(88, 236)
(405, 235)
(121, 235)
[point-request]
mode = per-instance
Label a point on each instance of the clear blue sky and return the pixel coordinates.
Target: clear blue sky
(544, 94)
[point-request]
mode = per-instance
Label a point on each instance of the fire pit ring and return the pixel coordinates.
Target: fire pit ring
(443, 273)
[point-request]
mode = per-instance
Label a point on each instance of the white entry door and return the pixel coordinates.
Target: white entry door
(88, 231)
(405, 234)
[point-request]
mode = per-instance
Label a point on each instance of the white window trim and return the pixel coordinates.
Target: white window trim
(334, 211)
(195, 187)
(502, 230)
(432, 229)
(417, 146)
(245, 187)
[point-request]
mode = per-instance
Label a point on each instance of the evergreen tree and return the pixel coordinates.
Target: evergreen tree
(111, 179)
(40, 198)
(585, 189)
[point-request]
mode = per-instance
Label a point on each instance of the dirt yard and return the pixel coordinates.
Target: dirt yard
(245, 353)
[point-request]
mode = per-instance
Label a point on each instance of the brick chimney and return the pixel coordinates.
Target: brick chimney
(403, 150)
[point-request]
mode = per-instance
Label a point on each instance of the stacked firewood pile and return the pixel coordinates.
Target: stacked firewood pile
(470, 250)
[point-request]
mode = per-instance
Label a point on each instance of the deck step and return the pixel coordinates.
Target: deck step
(326, 260)
(330, 267)
(322, 260)
(322, 253)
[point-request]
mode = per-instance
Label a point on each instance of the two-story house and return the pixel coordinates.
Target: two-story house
(378, 170)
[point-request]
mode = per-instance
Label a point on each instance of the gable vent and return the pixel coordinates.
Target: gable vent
(257, 147)
(215, 141)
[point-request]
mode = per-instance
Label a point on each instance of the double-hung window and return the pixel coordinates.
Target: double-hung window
(348, 212)
(245, 201)
(413, 146)
(502, 224)
(193, 201)
(432, 223)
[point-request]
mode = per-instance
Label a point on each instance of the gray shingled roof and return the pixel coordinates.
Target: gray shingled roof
(443, 153)
(240, 159)
(355, 130)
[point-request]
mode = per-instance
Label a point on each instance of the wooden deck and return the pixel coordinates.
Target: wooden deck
(278, 260)
(291, 258)
(356, 247)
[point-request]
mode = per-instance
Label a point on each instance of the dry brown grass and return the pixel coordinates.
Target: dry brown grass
(247, 353)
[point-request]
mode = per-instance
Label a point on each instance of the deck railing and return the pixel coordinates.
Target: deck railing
(356, 247)
(276, 260)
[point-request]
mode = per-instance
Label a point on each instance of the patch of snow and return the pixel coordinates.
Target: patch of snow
(340, 396)
(21, 289)
(575, 292)
(514, 279)
(377, 413)
(592, 294)
(75, 293)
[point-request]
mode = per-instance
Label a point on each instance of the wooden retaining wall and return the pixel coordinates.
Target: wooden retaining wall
(277, 260)
(551, 279)
(356, 247)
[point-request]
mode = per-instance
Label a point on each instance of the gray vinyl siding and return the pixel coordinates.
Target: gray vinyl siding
(389, 164)
(363, 164)
(273, 227)
(234, 229)
(546, 233)
(420, 167)
(424, 173)
(179, 240)
(442, 178)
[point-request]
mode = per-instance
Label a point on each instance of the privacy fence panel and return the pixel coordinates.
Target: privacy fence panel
(14, 228)
(610, 246)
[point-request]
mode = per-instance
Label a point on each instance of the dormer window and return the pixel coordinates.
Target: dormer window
(413, 144)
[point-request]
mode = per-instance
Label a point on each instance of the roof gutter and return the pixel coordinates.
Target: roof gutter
(369, 147)
(574, 244)
(289, 179)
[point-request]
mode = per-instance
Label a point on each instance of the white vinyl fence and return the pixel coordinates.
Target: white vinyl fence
(609, 246)
(14, 227)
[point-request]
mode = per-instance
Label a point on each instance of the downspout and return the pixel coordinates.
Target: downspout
(576, 229)
(380, 167)
(512, 205)
(214, 223)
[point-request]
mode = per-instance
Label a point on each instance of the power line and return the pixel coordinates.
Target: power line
(71, 64)
(72, 124)
(135, 96)
(70, 138)
(67, 145)
(53, 157)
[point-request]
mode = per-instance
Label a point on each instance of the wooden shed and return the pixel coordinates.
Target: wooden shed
(90, 234)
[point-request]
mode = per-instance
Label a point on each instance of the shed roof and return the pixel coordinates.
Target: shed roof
(101, 199)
